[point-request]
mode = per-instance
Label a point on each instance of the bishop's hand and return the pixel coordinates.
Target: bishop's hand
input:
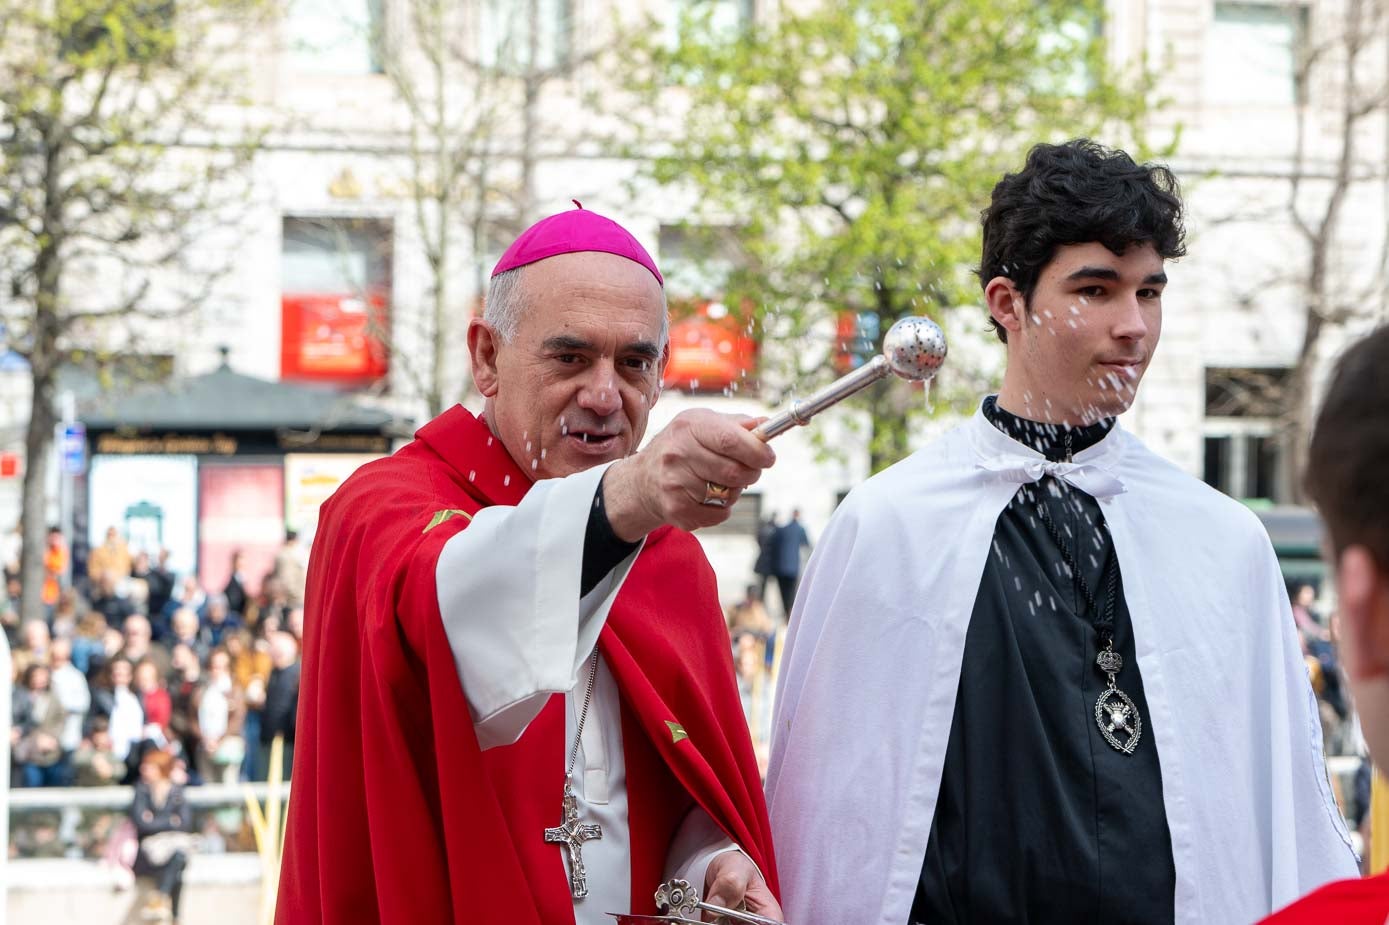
(732, 879)
(669, 481)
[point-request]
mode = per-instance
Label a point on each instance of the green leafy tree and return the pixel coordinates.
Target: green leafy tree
(123, 130)
(851, 147)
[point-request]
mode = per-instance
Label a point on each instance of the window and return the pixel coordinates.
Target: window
(335, 291)
(1252, 53)
(743, 517)
(1070, 42)
(521, 36)
(722, 19)
(334, 36)
(1244, 406)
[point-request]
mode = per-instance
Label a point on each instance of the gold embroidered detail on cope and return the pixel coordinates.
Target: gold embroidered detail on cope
(441, 516)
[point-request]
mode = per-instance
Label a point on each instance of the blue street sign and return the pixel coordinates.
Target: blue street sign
(74, 449)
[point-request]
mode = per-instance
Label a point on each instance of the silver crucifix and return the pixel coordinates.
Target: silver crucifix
(571, 835)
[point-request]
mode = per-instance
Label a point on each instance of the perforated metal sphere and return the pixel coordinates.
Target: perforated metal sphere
(915, 348)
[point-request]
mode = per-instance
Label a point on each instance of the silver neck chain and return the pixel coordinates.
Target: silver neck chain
(583, 715)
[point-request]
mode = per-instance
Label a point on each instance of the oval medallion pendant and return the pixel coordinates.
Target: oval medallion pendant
(1116, 713)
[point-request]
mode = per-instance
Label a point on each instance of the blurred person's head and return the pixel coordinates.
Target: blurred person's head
(121, 673)
(1072, 270)
(184, 661)
(189, 588)
(35, 637)
(55, 538)
(1305, 596)
(60, 653)
(101, 734)
(147, 677)
(294, 622)
(1346, 471)
(36, 677)
(106, 582)
(217, 608)
(113, 536)
(219, 667)
(13, 587)
(136, 634)
(184, 623)
(112, 640)
(157, 766)
(237, 642)
(238, 561)
(163, 558)
(142, 562)
(284, 650)
(269, 624)
(291, 537)
(272, 590)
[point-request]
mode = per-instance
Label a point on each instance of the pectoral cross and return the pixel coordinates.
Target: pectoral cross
(571, 834)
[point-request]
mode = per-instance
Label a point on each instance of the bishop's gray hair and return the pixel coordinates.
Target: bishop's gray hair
(506, 301)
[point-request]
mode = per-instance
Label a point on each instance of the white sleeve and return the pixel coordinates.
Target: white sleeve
(697, 842)
(508, 589)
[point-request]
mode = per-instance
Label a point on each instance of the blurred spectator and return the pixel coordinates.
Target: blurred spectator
(36, 736)
(766, 554)
(221, 714)
(70, 687)
(9, 610)
(294, 624)
(273, 602)
(163, 821)
(218, 621)
(11, 543)
(32, 649)
(750, 615)
(158, 579)
(281, 700)
(64, 622)
(1309, 622)
(88, 652)
(790, 539)
(291, 568)
(113, 699)
(190, 594)
(55, 566)
(95, 763)
(184, 685)
(250, 667)
(154, 699)
(113, 556)
(185, 631)
(108, 601)
(235, 591)
(137, 645)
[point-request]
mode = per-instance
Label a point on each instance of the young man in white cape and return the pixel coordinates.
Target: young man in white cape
(1036, 673)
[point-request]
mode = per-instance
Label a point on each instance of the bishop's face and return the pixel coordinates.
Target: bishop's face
(574, 387)
(1078, 352)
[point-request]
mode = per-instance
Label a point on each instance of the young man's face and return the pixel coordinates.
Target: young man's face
(1079, 350)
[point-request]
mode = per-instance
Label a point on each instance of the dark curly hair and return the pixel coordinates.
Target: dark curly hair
(1075, 193)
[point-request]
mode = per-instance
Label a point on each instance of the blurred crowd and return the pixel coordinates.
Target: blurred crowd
(131, 659)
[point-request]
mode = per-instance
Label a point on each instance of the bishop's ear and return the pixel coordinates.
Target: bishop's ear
(483, 344)
(1362, 593)
(1006, 304)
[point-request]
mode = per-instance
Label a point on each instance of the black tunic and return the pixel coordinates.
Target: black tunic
(1039, 819)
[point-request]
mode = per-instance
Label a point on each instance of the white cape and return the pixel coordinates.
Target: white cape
(872, 664)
